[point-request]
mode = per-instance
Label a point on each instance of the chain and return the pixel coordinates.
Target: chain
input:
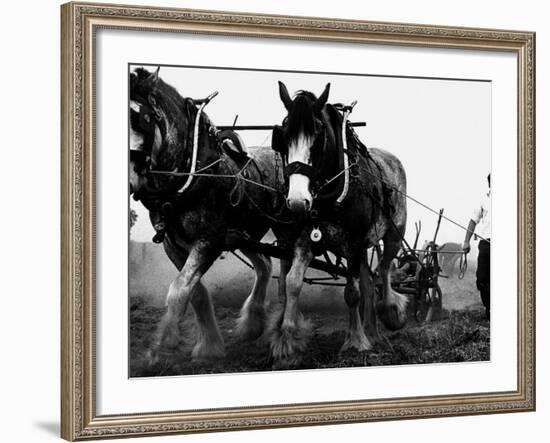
(278, 167)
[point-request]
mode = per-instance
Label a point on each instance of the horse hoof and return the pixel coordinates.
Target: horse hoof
(356, 343)
(251, 323)
(247, 334)
(287, 344)
(393, 313)
(392, 318)
(373, 338)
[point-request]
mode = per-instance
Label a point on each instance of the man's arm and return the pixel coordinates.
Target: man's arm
(471, 228)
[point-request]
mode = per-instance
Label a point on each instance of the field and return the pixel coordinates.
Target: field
(461, 333)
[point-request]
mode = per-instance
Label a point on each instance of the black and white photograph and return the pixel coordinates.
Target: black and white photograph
(275, 221)
(306, 220)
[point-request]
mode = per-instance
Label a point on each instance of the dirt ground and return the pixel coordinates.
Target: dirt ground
(460, 334)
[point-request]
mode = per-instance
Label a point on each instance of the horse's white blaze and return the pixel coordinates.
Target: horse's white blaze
(298, 184)
(136, 140)
(135, 106)
(299, 149)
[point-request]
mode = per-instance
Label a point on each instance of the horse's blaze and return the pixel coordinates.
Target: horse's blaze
(299, 196)
(136, 140)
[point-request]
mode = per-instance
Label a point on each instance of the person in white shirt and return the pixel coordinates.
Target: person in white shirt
(481, 224)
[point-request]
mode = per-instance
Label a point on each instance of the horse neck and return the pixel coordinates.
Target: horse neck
(181, 153)
(331, 163)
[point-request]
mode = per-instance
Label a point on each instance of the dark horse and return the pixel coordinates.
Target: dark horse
(202, 211)
(347, 209)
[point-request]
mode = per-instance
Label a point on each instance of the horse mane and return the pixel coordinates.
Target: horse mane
(303, 93)
(167, 97)
(142, 73)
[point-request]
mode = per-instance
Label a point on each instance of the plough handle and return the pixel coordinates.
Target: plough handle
(438, 224)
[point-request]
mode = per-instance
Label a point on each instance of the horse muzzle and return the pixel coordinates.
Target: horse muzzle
(299, 198)
(298, 206)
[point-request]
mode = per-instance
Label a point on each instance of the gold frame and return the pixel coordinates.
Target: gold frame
(79, 21)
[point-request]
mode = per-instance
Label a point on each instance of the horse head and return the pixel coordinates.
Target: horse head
(305, 143)
(160, 119)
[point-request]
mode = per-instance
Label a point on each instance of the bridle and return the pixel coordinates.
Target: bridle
(145, 118)
(280, 142)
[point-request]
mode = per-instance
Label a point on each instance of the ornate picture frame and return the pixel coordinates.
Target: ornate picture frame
(79, 417)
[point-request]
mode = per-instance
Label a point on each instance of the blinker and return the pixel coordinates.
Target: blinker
(279, 140)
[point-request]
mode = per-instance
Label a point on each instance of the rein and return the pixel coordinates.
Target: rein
(463, 265)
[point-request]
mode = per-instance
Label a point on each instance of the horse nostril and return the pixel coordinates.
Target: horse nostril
(295, 205)
(307, 204)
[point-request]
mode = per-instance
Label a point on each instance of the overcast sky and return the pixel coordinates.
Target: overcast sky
(439, 129)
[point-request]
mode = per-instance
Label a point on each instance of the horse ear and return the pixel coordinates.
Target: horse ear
(285, 96)
(322, 100)
(155, 75)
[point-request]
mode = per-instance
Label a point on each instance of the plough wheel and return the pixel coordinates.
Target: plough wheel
(428, 305)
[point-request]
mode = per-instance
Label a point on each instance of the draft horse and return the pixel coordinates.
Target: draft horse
(170, 138)
(343, 215)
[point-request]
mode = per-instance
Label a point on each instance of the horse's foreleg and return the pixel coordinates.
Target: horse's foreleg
(392, 309)
(209, 340)
(290, 333)
(283, 272)
(368, 296)
(209, 343)
(355, 336)
(182, 289)
(252, 318)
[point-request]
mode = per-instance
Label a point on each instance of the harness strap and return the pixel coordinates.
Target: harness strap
(196, 143)
(345, 189)
(300, 168)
